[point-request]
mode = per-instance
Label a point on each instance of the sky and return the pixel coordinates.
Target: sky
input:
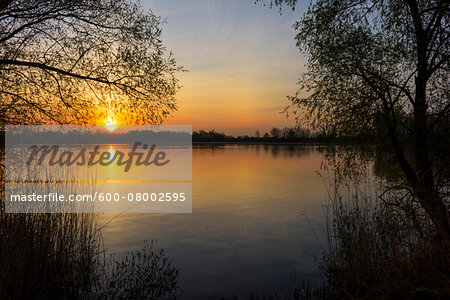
(241, 59)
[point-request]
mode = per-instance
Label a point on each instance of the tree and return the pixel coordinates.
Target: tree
(383, 63)
(74, 61)
(275, 132)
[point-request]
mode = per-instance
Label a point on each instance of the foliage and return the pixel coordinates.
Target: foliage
(142, 274)
(363, 61)
(82, 61)
(277, 135)
(382, 67)
(280, 3)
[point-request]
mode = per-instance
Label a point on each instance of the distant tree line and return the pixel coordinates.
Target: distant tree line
(275, 135)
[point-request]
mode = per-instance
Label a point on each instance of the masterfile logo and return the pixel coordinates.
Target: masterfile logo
(91, 169)
(91, 158)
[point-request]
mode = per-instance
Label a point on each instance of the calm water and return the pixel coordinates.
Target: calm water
(257, 220)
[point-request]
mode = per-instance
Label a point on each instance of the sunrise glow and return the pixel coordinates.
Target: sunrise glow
(111, 124)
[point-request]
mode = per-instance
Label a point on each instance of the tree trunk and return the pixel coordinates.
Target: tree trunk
(424, 186)
(425, 189)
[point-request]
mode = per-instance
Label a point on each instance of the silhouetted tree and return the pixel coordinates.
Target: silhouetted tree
(275, 132)
(211, 136)
(290, 133)
(374, 62)
(73, 61)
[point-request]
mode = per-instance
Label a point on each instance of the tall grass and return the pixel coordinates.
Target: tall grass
(48, 256)
(61, 256)
(382, 249)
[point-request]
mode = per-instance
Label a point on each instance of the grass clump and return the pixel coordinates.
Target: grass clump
(382, 246)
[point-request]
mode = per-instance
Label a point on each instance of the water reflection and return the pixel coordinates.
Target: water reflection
(246, 231)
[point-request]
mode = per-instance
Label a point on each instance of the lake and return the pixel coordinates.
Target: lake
(257, 221)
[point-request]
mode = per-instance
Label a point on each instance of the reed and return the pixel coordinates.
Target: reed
(48, 256)
(382, 249)
(62, 256)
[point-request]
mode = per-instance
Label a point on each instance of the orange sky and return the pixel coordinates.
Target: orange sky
(241, 60)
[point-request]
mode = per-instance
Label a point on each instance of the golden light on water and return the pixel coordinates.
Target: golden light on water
(111, 151)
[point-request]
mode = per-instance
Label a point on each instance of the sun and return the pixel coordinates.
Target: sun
(111, 124)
